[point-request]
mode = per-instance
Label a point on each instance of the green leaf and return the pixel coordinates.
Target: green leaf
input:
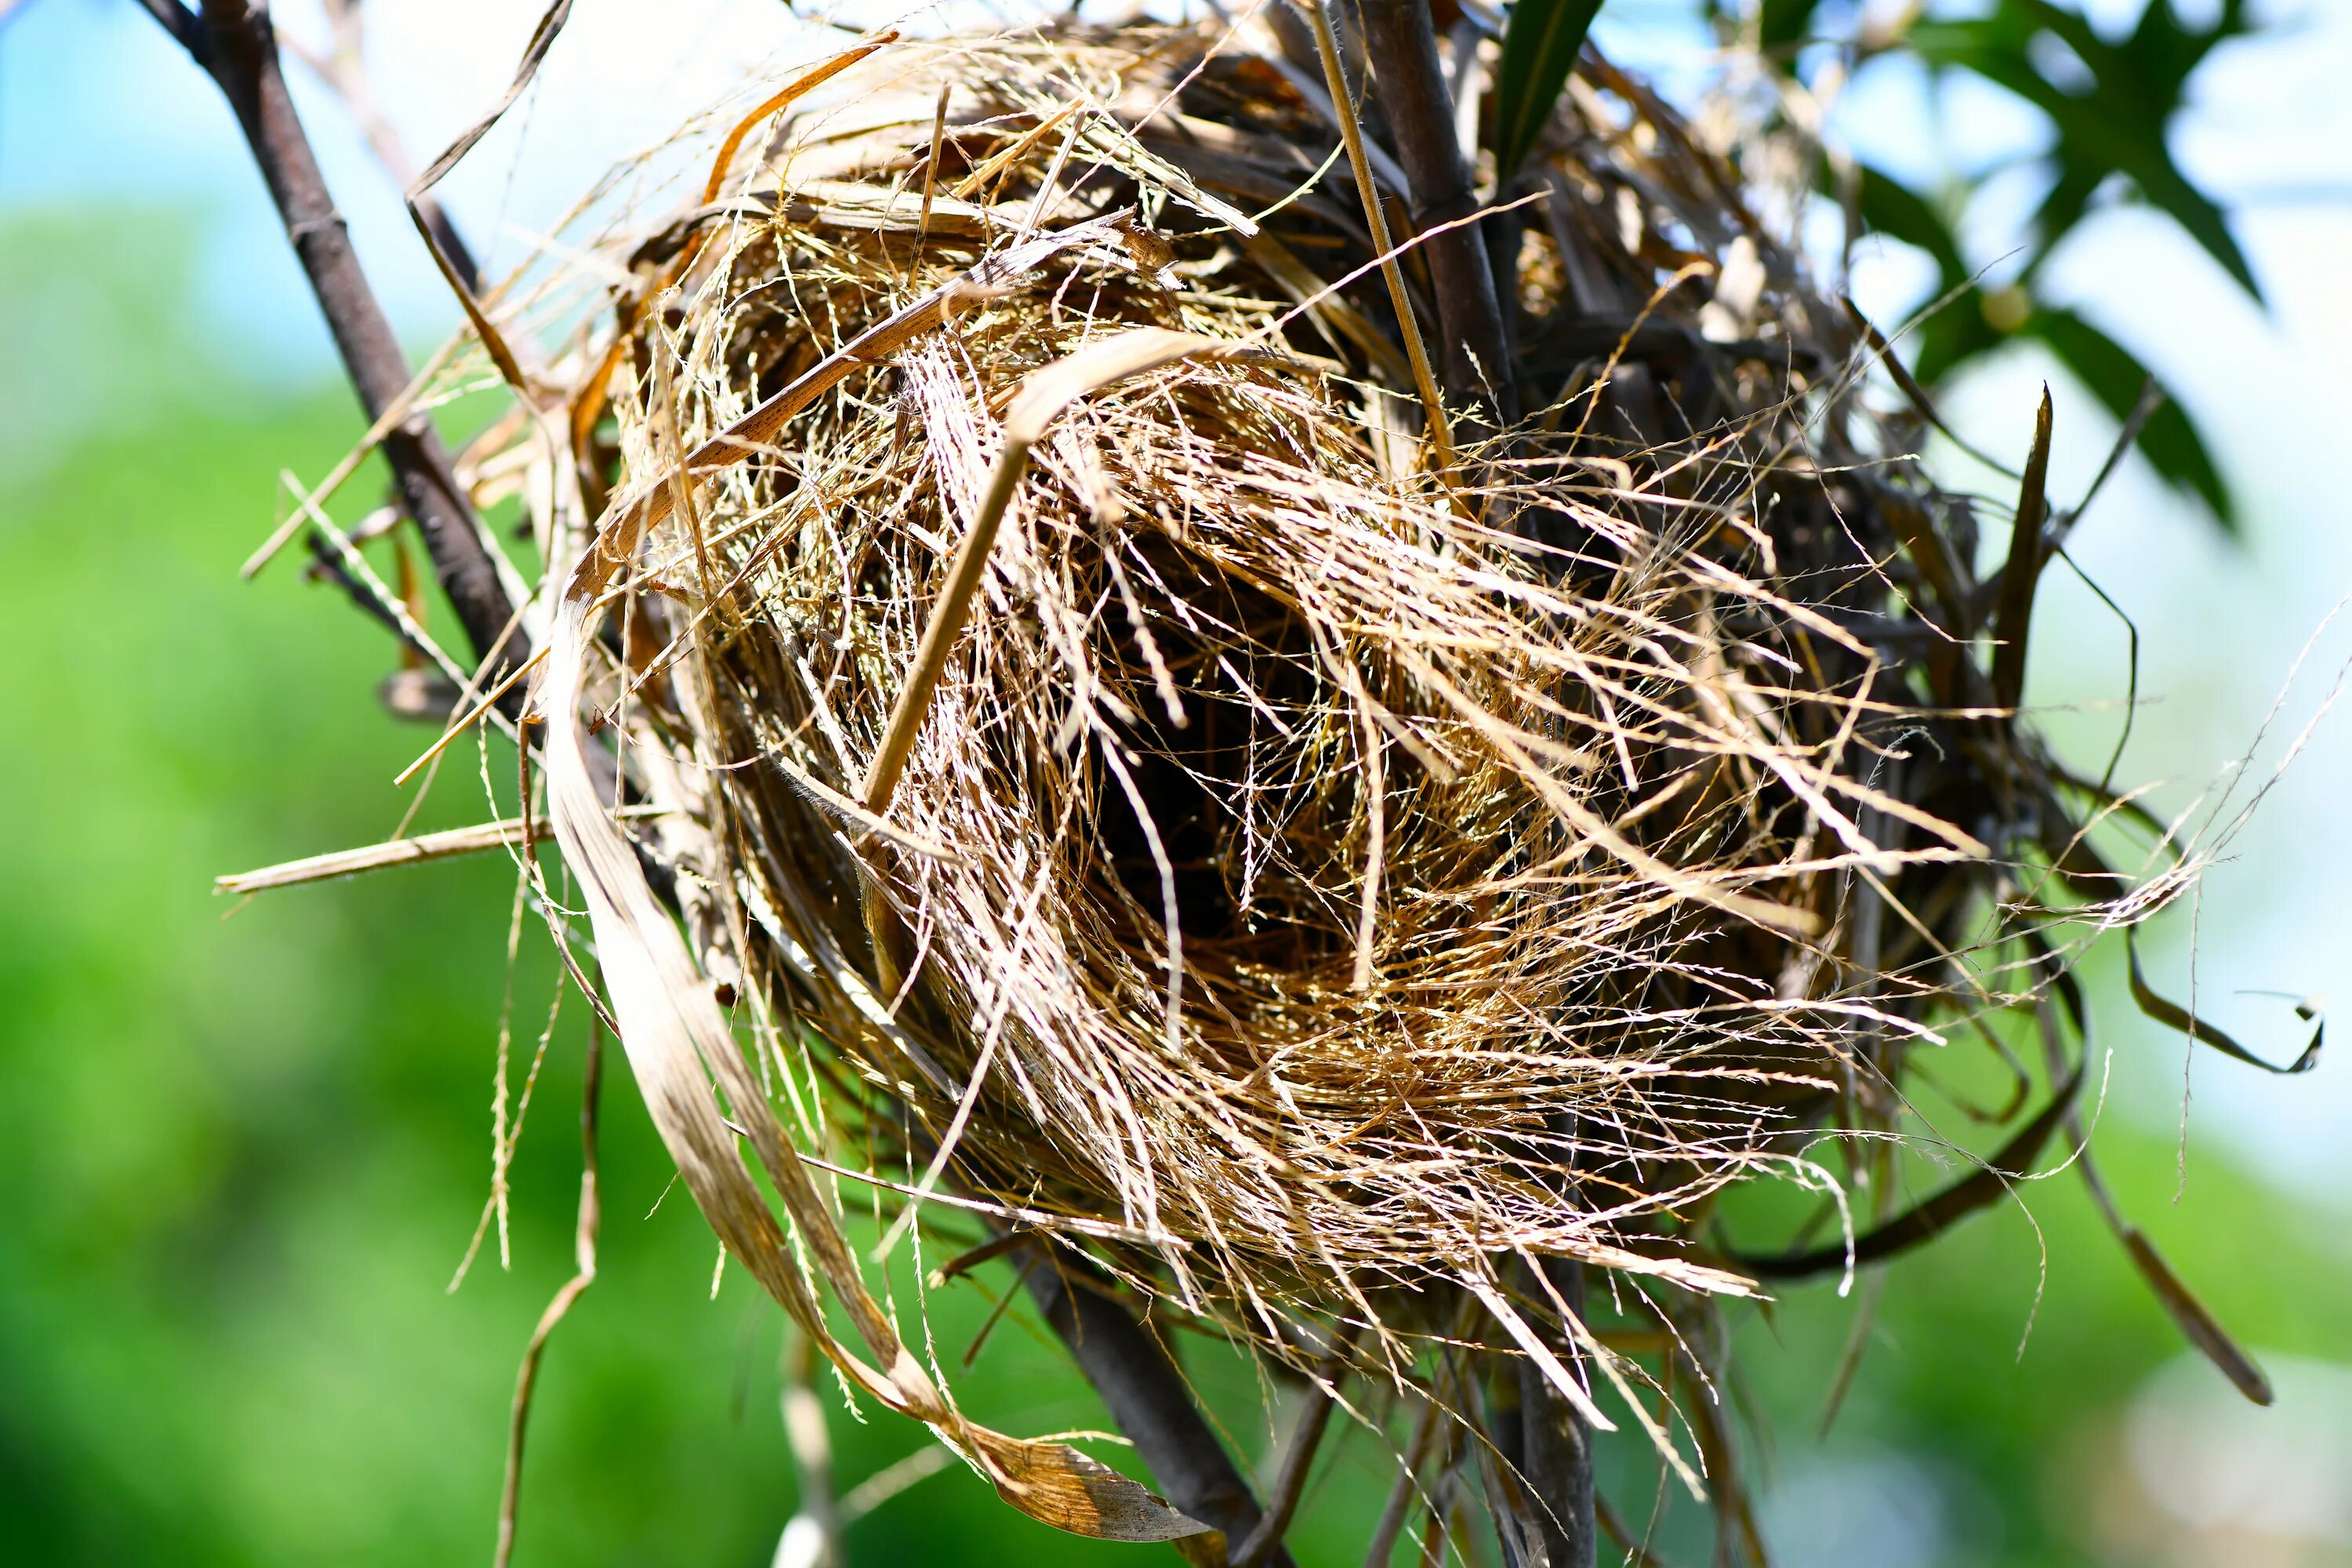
(1950, 339)
(1541, 42)
(2110, 374)
(2061, 210)
(1785, 23)
(1894, 209)
(2118, 125)
(2162, 49)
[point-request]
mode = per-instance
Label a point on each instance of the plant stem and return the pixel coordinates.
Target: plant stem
(1401, 42)
(236, 44)
(1146, 1394)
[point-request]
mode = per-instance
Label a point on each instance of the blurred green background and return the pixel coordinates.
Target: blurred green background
(242, 1149)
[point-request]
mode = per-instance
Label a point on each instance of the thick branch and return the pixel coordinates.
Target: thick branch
(1401, 42)
(236, 44)
(1146, 1394)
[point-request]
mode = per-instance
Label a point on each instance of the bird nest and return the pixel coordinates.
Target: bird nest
(1107, 754)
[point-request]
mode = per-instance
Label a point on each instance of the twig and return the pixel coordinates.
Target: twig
(1425, 1430)
(1147, 1396)
(1297, 1459)
(583, 1248)
(1402, 41)
(375, 856)
(236, 44)
(447, 845)
(458, 726)
(326, 566)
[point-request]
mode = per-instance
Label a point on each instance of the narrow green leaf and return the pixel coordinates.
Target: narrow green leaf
(1541, 42)
(1957, 333)
(2111, 374)
(1899, 212)
(2118, 125)
(1784, 23)
(2162, 49)
(2069, 198)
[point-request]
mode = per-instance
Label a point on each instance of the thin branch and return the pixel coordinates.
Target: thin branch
(1408, 1484)
(326, 566)
(236, 44)
(1147, 1396)
(1297, 1459)
(185, 29)
(504, 834)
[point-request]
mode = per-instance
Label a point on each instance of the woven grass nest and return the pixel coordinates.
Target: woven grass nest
(1104, 757)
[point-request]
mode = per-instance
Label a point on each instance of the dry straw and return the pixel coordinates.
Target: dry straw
(1101, 761)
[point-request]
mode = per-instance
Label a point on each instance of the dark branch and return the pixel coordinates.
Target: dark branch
(1146, 1394)
(237, 46)
(1290, 1485)
(181, 23)
(1402, 41)
(1558, 1447)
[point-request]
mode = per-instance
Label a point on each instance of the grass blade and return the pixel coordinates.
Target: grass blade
(1540, 43)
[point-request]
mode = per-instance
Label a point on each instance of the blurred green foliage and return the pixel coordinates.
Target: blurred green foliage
(243, 1148)
(2110, 104)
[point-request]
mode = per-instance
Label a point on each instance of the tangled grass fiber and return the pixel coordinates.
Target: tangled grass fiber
(1118, 760)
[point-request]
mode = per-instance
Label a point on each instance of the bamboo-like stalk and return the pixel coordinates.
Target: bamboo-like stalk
(1402, 41)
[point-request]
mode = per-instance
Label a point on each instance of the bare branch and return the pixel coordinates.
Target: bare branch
(1402, 40)
(185, 29)
(235, 42)
(1147, 1396)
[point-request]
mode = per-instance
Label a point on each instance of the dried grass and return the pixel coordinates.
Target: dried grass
(1318, 880)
